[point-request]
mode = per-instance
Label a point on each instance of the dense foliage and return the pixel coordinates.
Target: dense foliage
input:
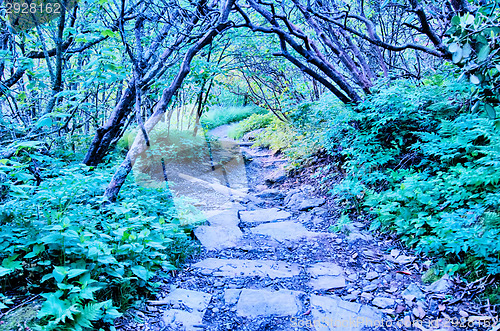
(419, 158)
(89, 261)
(401, 97)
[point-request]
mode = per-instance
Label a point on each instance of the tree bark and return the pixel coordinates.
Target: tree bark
(107, 133)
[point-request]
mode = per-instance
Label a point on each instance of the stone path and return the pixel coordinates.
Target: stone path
(269, 262)
(258, 229)
(251, 293)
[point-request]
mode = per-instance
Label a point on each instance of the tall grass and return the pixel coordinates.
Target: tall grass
(221, 115)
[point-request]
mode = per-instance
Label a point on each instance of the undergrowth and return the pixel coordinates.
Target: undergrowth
(253, 122)
(89, 261)
(221, 115)
(418, 159)
(425, 167)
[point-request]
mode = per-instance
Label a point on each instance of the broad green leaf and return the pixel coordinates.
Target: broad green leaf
(483, 53)
(106, 259)
(72, 273)
(59, 273)
(141, 272)
(37, 249)
(490, 110)
(11, 263)
(53, 306)
(474, 79)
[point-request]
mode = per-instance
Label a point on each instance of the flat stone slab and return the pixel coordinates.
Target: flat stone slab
(193, 304)
(263, 215)
(218, 237)
(281, 231)
(297, 200)
(225, 218)
(255, 303)
(193, 300)
(325, 269)
(327, 282)
(247, 268)
(271, 193)
(231, 296)
(333, 313)
(183, 320)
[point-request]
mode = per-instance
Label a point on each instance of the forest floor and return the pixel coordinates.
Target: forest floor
(270, 261)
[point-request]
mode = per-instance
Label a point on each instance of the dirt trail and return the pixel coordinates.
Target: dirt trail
(269, 262)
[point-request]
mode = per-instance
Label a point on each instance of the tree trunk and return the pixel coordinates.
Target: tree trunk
(109, 131)
(139, 145)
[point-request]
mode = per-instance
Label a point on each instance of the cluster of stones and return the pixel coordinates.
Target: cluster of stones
(297, 308)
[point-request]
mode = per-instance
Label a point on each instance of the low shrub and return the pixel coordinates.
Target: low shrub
(221, 115)
(424, 166)
(253, 122)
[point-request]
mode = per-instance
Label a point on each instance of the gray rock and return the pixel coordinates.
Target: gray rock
(231, 296)
(218, 237)
(440, 286)
(370, 288)
(195, 302)
(333, 313)
(413, 291)
(277, 176)
(327, 282)
(255, 303)
(324, 269)
(350, 297)
(305, 217)
(271, 193)
(182, 320)
(310, 203)
(248, 268)
(290, 194)
(383, 302)
(283, 231)
(300, 201)
(371, 275)
(320, 211)
(263, 215)
(224, 218)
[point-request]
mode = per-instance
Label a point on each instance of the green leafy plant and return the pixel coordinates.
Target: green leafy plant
(425, 167)
(474, 44)
(90, 261)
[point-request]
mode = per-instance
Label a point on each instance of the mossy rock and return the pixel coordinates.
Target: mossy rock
(17, 319)
(430, 276)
